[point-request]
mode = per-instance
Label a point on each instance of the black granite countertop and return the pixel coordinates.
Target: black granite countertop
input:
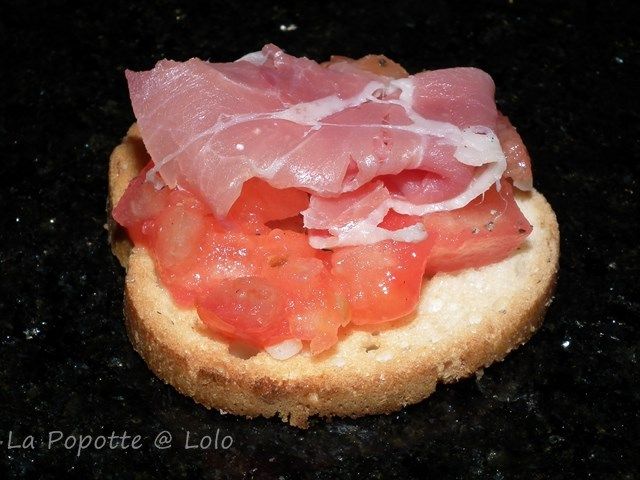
(563, 406)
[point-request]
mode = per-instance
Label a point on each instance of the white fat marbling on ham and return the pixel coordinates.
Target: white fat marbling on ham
(353, 219)
(365, 233)
(326, 131)
(257, 58)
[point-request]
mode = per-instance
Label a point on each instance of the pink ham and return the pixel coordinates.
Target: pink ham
(518, 160)
(462, 96)
(427, 140)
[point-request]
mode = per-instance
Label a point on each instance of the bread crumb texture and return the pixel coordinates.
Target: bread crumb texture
(464, 322)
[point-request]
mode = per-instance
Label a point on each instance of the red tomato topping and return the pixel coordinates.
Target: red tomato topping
(254, 277)
(260, 203)
(247, 308)
(485, 231)
(382, 281)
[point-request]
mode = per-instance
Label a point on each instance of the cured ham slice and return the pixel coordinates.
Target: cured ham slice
(354, 219)
(286, 199)
(429, 140)
(518, 161)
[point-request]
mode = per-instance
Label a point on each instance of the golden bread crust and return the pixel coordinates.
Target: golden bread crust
(465, 321)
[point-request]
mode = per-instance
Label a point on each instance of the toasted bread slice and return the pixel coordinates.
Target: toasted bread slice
(465, 321)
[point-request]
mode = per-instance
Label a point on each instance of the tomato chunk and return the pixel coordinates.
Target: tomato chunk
(140, 204)
(382, 280)
(487, 230)
(316, 306)
(260, 203)
(247, 308)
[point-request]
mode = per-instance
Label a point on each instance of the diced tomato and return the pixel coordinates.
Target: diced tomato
(179, 229)
(383, 280)
(260, 203)
(316, 307)
(278, 247)
(247, 308)
(176, 244)
(487, 230)
(252, 281)
(140, 204)
(306, 305)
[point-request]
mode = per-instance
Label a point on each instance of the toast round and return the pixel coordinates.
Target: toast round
(464, 321)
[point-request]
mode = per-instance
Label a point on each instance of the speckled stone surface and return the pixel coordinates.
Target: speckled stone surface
(563, 406)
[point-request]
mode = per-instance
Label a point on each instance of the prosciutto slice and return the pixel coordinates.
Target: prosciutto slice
(420, 144)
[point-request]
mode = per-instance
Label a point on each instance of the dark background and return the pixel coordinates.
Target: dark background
(563, 406)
